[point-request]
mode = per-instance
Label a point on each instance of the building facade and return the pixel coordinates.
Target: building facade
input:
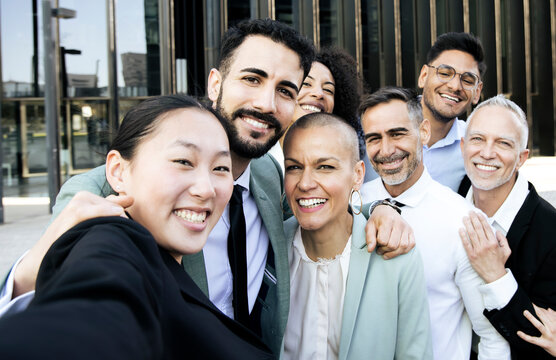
(115, 53)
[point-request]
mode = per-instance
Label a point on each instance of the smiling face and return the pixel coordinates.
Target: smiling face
(491, 149)
(317, 92)
(394, 144)
(447, 101)
(320, 172)
(258, 93)
(179, 177)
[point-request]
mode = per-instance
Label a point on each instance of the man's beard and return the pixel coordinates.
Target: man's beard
(239, 146)
(437, 115)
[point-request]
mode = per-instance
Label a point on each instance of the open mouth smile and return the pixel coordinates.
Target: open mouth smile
(311, 203)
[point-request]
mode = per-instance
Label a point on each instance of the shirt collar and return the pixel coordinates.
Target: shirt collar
(507, 212)
(457, 131)
(412, 196)
(243, 179)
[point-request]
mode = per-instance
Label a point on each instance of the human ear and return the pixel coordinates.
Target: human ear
(523, 155)
(477, 93)
(214, 84)
(422, 77)
(359, 174)
(425, 131)
(116, 166)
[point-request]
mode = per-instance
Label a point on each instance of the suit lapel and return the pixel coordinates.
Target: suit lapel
(522, 221)
(357, 274)
(194, 265)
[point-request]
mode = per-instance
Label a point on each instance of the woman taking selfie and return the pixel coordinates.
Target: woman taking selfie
(113, 287)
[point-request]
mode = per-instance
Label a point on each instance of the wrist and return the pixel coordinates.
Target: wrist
(384, 202)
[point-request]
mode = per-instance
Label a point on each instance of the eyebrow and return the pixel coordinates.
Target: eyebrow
(503, 137)
(389, 131)
(187, 144)
(264, 74)
(319, 160)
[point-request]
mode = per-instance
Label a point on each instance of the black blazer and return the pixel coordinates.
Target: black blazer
(532, 239)
(105, 290)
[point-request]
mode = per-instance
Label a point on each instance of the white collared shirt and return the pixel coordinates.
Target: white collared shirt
(498, 294)
(217, 264)
(317, 290)
(435, 214)
(444, 160)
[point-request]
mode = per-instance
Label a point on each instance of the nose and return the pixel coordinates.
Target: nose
(203, 187)
(317, 92)
(387, 147)
(487, 151)
(265, 100)
(307, 181)
(455, 83)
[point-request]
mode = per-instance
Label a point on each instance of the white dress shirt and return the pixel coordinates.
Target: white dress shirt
(444, 160)
(20, 303)
(435, 214)
(317, 290)
(217, 264)
(498, 294)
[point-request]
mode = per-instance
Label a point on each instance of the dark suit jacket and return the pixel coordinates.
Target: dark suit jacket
(532, 239)
(105, 290)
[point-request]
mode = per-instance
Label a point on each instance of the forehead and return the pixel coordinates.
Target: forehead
(320, 72)
(276, 59)
(386, 116)
(321, 141)
(188, 126)
(494, 121)
(459, 60)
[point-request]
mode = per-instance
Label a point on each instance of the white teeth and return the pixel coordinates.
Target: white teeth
(255, 123)
(486, 167)
(191, 216)
(309, 203)
(450, 97)
(311, 108)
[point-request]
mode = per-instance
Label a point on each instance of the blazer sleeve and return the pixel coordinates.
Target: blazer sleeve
(509, 319)
(414, 339)
(99, 304)
(93, 181)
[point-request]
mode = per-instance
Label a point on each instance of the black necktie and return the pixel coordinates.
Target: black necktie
(237, 256)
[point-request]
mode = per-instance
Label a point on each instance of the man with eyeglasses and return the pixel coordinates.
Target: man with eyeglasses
(451, 83)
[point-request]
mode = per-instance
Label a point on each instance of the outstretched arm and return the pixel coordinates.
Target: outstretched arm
(83, 206)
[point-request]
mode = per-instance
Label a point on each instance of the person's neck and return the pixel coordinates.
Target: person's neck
(330, 240)
(397, 190)
(489, 201)
(239, 164)
(439, 128)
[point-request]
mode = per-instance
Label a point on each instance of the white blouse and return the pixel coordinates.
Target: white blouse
(317, 290)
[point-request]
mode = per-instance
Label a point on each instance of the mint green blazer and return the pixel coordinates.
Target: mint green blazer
(266, 186)
(385, 314)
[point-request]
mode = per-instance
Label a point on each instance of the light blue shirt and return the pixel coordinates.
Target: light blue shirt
(444, 160)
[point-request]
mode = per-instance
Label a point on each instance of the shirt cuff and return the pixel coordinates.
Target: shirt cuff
(498, 294)
(20, 303)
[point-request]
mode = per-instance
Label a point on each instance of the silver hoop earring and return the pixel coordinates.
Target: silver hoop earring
(360, 201)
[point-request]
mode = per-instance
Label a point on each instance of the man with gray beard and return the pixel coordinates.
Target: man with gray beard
(395, 132)
(494, 148)
(451, 83)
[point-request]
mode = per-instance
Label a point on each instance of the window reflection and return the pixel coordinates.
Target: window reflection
(84, 53)
(138, 48)
(22, 50)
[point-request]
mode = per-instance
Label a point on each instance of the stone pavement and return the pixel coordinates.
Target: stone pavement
(26, 218)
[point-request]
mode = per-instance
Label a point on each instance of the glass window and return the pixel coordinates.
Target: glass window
(328, 22)
(84, 53)
(22, 48)
(284, 11)
(138, 47)
(238, 10)
(370, 24)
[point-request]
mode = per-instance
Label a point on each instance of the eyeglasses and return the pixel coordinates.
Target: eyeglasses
(446, 73)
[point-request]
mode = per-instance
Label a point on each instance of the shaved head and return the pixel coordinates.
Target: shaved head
(345, 131)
